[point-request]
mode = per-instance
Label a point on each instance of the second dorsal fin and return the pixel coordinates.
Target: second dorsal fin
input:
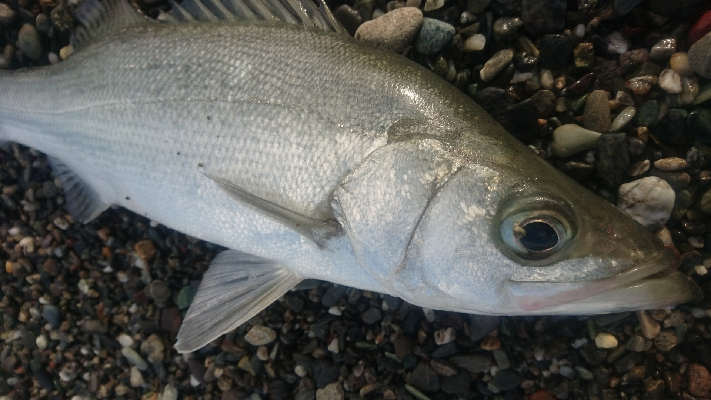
(299, 12)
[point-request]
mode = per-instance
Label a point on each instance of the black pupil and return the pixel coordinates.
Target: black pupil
(539, 236)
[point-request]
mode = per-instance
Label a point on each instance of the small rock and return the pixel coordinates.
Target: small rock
(596, 116)
(481, 325)
(444, 336)
(569, 139)
(28, 40)
(145, 249)
(506, 28)
(699, 380)
(605, 341)
(622, 119)
(616, 43)
(159, 291)
(555, 51)
(153, 347)
(169, 392)
(641, 85)
(457, 383)
(434, 35)
(663, 49)
(94, 326)
(679, 62)
(394, 30)
(185, 297)
(543, 16)
(477, 6)
(260, 335)
(6, 14)
(671, 164)
(136, 377)
(442, 368)
(636, 343)
(649, 201)
(638, 168)
(474, 363)
(490, 343)
(332, 391)
(42, 342)
(125, 340)
(613, 158)
(507, 379)
(670, 81)
(424, 378)
(495, 64)
(700, 56)
(584, 55)
(647, 113)
(349, 17)
(52, 315)
(372, 315)
(474, 42)
(134, 358)
(698, 124)
(666, 340)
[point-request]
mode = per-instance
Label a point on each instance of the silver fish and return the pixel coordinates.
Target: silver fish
(312, 155)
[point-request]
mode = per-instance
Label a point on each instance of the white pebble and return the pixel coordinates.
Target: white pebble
(41, 342)
(578, 343)
(547, 80)
(474, 42)
(605, 341)
(300, 370)
(579, 30)
(616, 43)
(521, 77)
(567, 371)
(623, 119)
(696, 242)
(648, 200)
(670, 81)
(698, 312)
(125, 340)
(701, 270)
(136, 377)
(334, 310)
(444, 336)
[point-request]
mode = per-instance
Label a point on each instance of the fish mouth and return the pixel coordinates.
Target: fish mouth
(657, 285)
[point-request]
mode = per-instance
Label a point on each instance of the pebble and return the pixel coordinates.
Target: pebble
(647, 113)
(616, 43)
(393, 31)
(52, 315)
(474, 363)
(6, 14)
(136, 378)
(584, 55)
(672, 127)
(490, 343)
(442, 368)
(444, 336)
(431, 5)
(159, 291)
(596, 116)
(605, 341)
(507, 379)
(153, 348)
(670, 81)
(547, 81)
(623, 7)
(622, 119)
(679, 62)
(260, 335)
(641, 85)
(145, 250)
(613, 158)
(701, 27)
(543, 16)
(477, 6)
(649, 201)
(700, 56)
(332, 391)
(704, 94)
(663, 49)
(699, 380)
(372, 315)
(569, 139)
(555, 51)
(28, 40)
(638, 168)
(698, 124)
(506, 28)
(94, 326)
(349, 18)
(671, 164)
(169, 393)
(42, 342)
(185, 297)
(705, 202)
(666, 340)
(125, 340)
(134, 358)
(424, 378)
(433, 36)
(689, 90)
(455, 384)
(474, 42)
(481, 325)
(495, 64)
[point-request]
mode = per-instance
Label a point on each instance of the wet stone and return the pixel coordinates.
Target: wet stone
(665, 340)
(698, 123)
(433, 36)
(349, 18)
(555, 50)
(596, 116)
(663, 49)
(679, 62)
(622, 119)
(458, 383)
(394, 31)
(93, 326)
(495, 64)
(507, 379)
(670, 81)
(677, 180)
(569, 139)
(474, 363)
(613, 158)
(544, 100)
(332, 391)
(541, 17)
(424, 378)
(325, 373)
(260, 335)
(185, 297)
(647, 113)
(577, 170)
(506, 28)
(581, 86)
(636, 343)
(700, 56)
(699, 380)
(605, 341)
(372, 316)
(648, 200)
(159, 291)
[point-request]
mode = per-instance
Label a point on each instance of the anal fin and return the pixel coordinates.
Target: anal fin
(83, 202)
(236, 287)
(314, 229)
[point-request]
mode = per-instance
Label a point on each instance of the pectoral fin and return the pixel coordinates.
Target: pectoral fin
(235, 288)
(83, 202)
(311, 228)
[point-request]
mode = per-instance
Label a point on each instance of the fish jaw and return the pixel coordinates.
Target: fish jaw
(655, 285)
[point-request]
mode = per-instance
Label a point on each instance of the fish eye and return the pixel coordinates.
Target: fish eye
(535, 235)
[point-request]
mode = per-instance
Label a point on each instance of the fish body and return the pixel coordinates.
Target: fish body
(312, 155)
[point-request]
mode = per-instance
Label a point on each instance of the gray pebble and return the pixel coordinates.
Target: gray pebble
(372, 316)
(507, 379)
(622, 119)
(596, 115)
(477, 6)
(474, 363)
(700, 56)
(663, 49)
(94, 326)
(394, 30)
(506, 28)
(434, 36)
(28, 40)
(424, 378)
(134, 358)
(613, 158)
(495, 64)
(53, 316)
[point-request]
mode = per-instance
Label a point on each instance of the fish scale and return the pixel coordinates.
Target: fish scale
(310, 155)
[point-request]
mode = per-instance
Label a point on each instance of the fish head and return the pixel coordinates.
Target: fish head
(505, 240)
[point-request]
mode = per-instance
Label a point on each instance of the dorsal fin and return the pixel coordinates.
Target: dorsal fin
(100, 17)
(299, 12)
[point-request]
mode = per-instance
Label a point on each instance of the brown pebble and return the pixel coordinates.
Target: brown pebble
(699, 380)
(490, 343)
(650, 327)
(159, 291)
(671, 164)
(666, 340)
(145, 249)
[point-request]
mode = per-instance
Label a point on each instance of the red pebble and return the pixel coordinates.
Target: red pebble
(700, 28)
(541, 395)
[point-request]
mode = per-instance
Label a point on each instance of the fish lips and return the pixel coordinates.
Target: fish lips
(657, 285)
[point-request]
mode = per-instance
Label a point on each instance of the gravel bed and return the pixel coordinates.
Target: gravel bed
(613, 93)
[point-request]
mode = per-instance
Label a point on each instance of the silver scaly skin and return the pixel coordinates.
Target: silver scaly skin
(312, 155)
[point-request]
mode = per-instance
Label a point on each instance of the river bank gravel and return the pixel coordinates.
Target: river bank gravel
(613, 93)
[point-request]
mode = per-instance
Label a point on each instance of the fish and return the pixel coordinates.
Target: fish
(261, 126)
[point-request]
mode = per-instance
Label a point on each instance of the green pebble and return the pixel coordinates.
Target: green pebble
(185, 297)
(647, 113)
(366, 345)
